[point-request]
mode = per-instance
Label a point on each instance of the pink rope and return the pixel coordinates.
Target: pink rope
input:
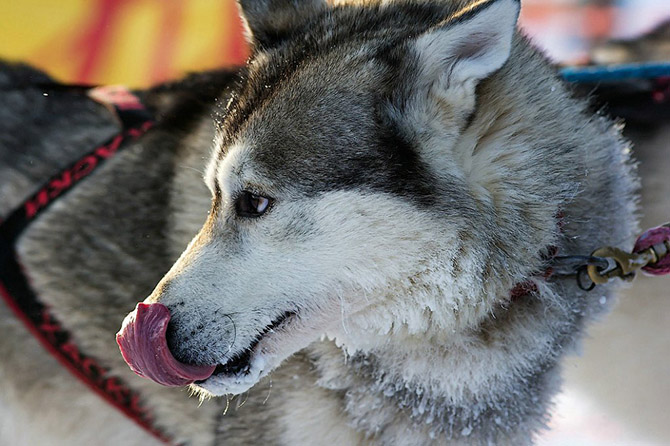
(651, 237)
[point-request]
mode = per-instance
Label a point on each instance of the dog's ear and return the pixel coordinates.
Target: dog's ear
(468, 46)
(441, 68)
(268, 22)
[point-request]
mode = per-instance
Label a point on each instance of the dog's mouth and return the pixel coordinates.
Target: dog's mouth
(241, 363)
(143, 344)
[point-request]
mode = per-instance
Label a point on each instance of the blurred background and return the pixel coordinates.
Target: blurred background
(141, 42)
(132, 42)
(616, 394)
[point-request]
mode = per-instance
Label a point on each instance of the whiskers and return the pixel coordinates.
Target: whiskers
(267, 397)
(343, 313)
(244, 398)
(225, 410)
(232, 321)
(244, 401)
(200, 171)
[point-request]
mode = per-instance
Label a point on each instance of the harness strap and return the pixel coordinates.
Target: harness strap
(15, 288)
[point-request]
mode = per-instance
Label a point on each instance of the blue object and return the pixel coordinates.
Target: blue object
(616, 72)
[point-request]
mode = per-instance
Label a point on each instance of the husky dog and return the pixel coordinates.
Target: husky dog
(383, 175)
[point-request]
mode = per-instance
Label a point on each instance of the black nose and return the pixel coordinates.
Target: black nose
(200, 338)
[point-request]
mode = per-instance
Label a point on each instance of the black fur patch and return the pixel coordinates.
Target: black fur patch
(327, 140)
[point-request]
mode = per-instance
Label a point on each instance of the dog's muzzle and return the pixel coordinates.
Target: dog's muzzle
(143, 344)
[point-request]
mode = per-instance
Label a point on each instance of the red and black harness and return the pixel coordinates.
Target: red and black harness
(15, 288)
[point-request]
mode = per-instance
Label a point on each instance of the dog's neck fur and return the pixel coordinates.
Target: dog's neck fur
(466, 385)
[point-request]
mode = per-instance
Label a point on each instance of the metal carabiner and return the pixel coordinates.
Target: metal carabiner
(624, 264)
(571, 265)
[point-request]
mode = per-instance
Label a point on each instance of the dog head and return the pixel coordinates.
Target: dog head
(343, 201)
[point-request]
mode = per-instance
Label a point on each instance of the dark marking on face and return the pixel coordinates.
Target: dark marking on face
(344, 30)
(314, 109)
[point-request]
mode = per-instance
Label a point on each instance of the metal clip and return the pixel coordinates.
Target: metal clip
(624, 265)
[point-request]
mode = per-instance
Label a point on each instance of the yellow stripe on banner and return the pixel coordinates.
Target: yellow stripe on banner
(128, 59)
(203, 29)
(41, 32)
(133, 42)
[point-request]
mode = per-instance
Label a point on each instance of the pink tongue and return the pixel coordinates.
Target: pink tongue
(144, 347)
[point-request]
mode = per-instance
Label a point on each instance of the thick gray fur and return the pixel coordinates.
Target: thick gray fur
(323, 106)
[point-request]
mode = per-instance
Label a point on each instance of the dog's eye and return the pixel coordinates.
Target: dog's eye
(251, 205)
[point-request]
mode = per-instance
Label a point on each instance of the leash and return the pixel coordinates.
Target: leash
(650, 255)
(15, 289)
